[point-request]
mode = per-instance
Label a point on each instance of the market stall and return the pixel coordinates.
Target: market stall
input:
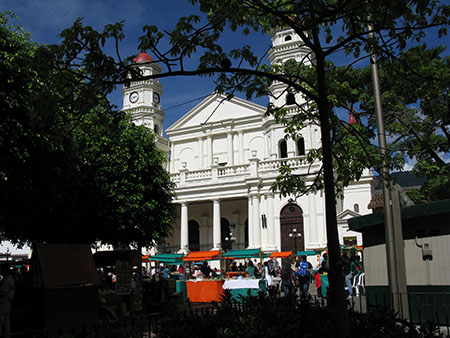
(240, 286)
(122, 282)
(64, 291)
(281, 254)
(199, 256)
(165, 282)
(247, 253)
(307, 253)
(203, 290)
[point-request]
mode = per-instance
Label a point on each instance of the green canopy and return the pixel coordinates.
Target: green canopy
(307, 253)
(249, 253)
(167, 258)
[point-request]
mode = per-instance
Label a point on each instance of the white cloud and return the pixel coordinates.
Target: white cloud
(445, 157)
(409, 164)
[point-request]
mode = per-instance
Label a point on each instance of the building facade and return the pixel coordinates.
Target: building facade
(224, 156)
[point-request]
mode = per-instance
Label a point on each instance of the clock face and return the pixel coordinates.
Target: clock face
(134, 96)
(156, 98)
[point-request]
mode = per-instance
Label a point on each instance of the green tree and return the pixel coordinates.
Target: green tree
(71, 168)
(131, 192)
(416, 98)
(326, 27)
(415, 87)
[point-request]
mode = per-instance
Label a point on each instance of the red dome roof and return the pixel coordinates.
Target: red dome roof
(352, 119)
(143, 57)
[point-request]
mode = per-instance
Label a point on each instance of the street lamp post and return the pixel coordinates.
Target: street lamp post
(230, 239)
(294, 235)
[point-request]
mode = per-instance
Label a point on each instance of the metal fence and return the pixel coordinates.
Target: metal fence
(424, 308)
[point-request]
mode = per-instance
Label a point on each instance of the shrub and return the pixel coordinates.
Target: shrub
(260, 316)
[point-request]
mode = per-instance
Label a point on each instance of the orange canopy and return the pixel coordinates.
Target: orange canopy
(202, 255)
(281, 254)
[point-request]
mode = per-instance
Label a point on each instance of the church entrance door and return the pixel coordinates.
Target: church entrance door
(194, 236)
(291, 217)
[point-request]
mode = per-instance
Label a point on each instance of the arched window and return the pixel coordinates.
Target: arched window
(283, 149)
(301, 146)
(225, 233)
(156, 129)
(194, 235)
(288, 38)
(246, 234)
(290, 99)
(356, 207)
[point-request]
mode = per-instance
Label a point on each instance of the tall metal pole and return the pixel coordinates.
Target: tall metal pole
(393, 248)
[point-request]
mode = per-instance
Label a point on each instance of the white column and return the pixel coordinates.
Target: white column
(241, 147)
(209, 151)
(266, 145)
(184, 231)
(250, 222)
(264, 233)
(256, 225)
(216, 225)
(172, 157)
(274, 148)
(270, 222)
(200, 153)
(312, 226)
(291, 148)
(321, 223)
(230, 148)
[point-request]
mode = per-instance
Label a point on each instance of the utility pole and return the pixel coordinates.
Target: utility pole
(395, 256)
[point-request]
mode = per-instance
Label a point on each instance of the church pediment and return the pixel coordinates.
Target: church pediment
(217, 109)
(346, 214)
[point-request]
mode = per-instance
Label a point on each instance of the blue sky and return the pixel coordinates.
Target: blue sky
(45, 19)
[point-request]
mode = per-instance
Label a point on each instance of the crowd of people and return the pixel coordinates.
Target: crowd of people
(295, 275)
(250, 269)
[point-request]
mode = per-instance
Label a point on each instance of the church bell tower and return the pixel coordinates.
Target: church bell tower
(142, 99)
(286, 45)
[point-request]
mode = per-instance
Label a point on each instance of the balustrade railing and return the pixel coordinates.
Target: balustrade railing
(237, 171)
(234, 170)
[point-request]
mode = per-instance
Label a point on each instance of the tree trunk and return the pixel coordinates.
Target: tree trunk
(336, 298)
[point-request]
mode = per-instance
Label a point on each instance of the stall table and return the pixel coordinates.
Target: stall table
(204, 291)
(231, 274)
(181, 287)
(244, 287)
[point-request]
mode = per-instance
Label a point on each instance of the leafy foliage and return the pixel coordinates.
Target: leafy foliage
(326, 27)
(71, 168)
(415, 88)
(416, 95)
(258, 316)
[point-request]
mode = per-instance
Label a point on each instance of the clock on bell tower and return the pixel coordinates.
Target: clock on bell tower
(142, 98)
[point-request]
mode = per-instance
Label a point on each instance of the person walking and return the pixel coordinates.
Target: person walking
(7, 289)
(304, 273)
(287, 278)
(267, 276)
(348, 274)
(251, 270)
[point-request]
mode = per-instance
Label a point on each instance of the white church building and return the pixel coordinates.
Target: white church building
(224, 155)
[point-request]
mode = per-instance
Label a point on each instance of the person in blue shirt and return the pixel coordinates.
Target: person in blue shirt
(304, 274)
